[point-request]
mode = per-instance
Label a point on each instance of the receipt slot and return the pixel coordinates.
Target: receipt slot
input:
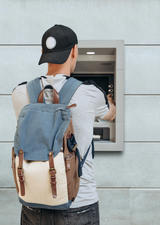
(103, 63)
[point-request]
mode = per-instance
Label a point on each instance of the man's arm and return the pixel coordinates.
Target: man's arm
(111, 114)
(102, 110)
(19, 98)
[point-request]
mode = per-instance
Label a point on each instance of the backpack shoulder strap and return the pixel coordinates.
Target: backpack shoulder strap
(68, 89)
(82, 161)
(34, 88)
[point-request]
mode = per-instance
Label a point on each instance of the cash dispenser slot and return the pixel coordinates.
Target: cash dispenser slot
(101, 133)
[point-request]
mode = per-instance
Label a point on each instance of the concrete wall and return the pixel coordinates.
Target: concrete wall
(128, 183)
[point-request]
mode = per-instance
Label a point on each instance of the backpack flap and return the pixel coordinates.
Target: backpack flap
(40, 129)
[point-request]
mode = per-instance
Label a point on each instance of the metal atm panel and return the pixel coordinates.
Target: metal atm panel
(103, 63)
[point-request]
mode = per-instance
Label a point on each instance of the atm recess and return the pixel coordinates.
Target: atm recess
(103, 63)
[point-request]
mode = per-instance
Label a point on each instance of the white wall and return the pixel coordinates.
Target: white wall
(130, 192)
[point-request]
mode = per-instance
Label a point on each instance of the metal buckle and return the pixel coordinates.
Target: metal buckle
(52, 169)
(20, 174)
(52, 172)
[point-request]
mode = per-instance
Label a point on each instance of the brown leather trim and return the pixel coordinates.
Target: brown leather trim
(14, 169)
(21, 172)
(71, 166)
(40, 97)
(65, 148)
(69, 130)
(70, 106)
(52, 172)
(67, 154)
(55, 96)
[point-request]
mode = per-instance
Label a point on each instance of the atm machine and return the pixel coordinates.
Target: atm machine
(102, 62)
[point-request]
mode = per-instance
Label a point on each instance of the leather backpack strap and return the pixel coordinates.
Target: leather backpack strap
(55, 99)
(52, 172)
(21, 172)
(14, 169)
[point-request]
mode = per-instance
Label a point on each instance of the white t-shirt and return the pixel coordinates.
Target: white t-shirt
(90, 104)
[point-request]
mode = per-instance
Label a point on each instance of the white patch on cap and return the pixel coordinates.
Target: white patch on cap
(50, 42)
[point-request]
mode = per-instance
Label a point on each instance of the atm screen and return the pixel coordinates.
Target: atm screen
(105, 81)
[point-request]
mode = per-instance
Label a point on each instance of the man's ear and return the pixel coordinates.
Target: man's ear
(74, 49)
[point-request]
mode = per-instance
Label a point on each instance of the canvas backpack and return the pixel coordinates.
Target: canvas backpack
(46, 162)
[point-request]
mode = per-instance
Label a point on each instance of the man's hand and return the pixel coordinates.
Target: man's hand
(112, 109)
(110, 99)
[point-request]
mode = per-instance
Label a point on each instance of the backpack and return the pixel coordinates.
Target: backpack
(46, 162)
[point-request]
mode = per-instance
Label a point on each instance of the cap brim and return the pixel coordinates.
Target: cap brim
(55, 57)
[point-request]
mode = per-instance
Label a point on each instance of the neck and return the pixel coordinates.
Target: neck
(54, 69)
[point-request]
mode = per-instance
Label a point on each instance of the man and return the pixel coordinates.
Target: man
(60, 51)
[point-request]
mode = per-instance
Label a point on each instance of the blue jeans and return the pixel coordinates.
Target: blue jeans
(85, 215)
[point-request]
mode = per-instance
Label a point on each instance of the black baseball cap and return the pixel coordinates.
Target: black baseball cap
(57, 43)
